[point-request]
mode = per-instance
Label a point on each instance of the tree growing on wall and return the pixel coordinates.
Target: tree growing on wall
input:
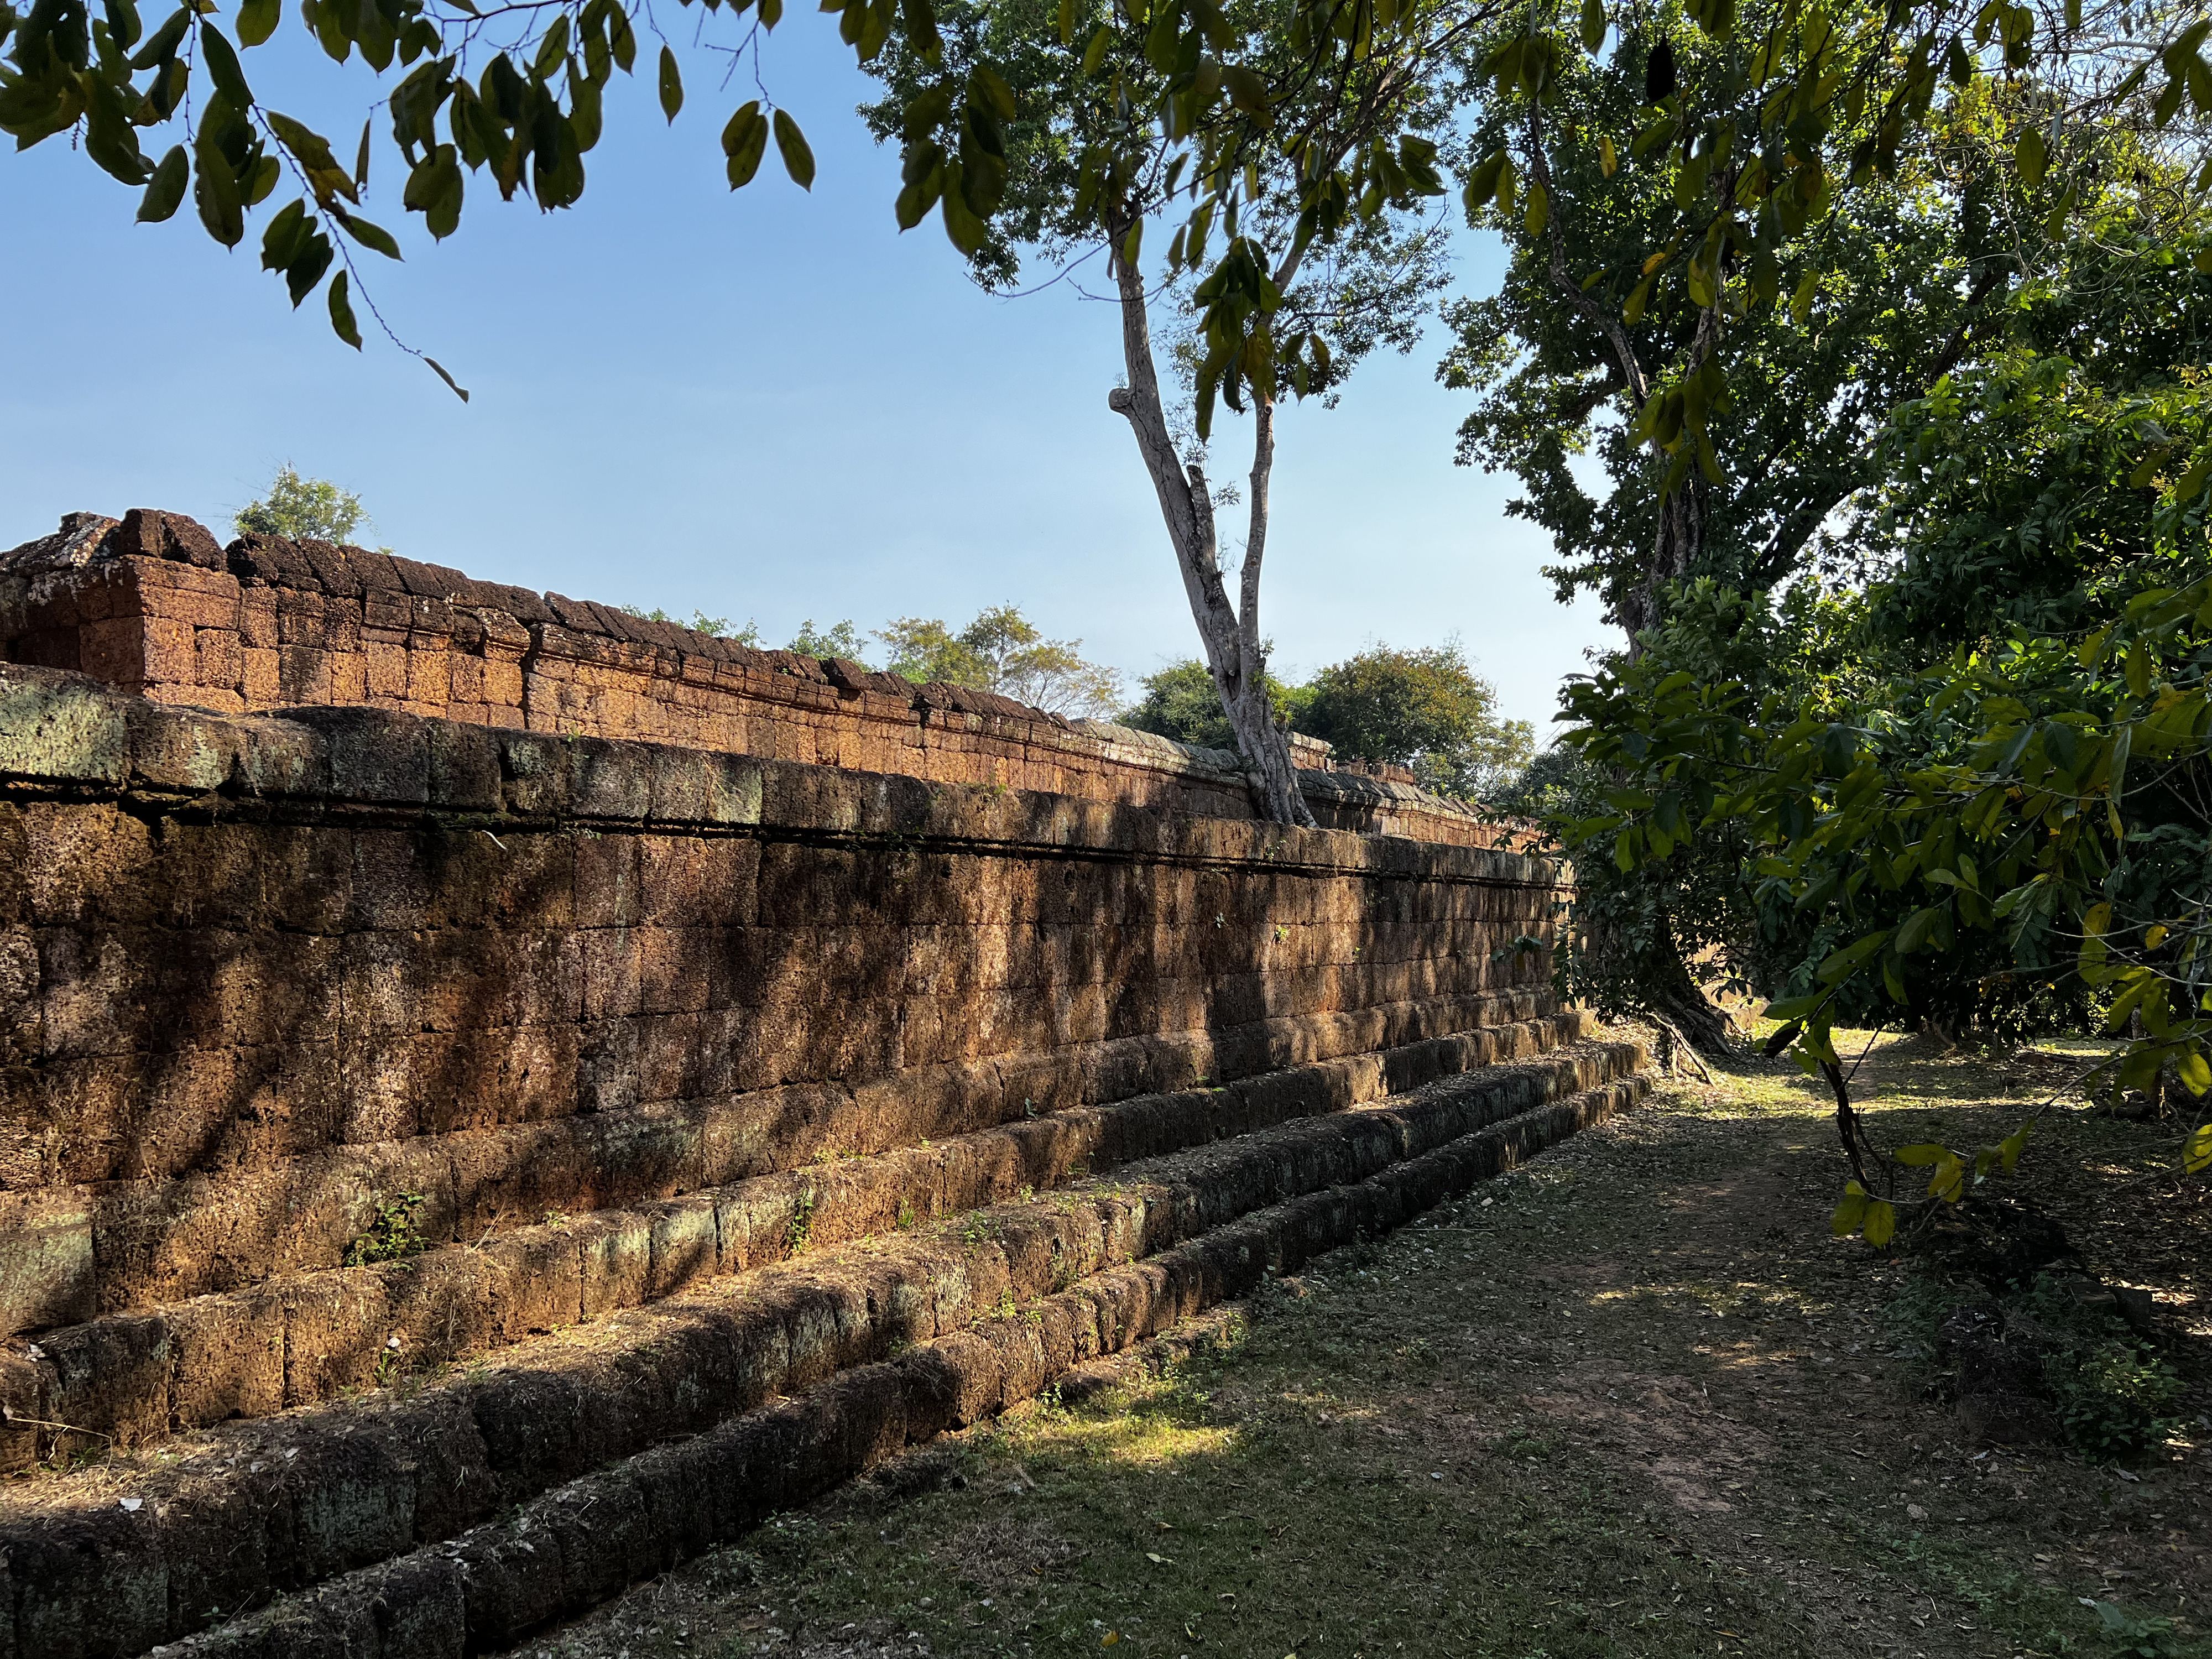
(1315, 169)
(1181, 702)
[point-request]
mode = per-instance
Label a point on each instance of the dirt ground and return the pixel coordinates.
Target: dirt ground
(1633, 1400)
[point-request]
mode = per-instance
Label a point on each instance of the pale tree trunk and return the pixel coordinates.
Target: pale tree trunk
(1230, 632)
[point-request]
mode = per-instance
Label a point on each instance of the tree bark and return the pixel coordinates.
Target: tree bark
(1664, 979)
(1680, 537)
(1234, 653)
(1675, 996)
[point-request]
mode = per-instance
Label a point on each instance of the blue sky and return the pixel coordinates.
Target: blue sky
(767, 405)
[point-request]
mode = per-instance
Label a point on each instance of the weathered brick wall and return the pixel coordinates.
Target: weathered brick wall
(255, 971)
(151, 604)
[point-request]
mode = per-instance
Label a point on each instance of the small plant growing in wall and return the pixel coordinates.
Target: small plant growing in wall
(980, 1228)
(390, 1362)
(390, 1234)
(802, 1222)
(905, 1220)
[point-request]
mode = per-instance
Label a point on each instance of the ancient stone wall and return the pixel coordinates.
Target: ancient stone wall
(431, 1115)
(152, 605)
(262, 971)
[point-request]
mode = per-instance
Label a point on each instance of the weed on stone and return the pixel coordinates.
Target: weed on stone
(1630, 1401)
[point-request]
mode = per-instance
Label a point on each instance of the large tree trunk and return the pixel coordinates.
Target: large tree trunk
(1663, 977)
(1234, 652)
(1680, 537)
(1677, 998)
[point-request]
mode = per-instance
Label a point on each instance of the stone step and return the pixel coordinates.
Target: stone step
(582, 1544)
(117, 1247)
(133, 1379)
(111, 1561)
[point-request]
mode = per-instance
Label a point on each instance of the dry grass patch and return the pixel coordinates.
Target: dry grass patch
(1631, 1400)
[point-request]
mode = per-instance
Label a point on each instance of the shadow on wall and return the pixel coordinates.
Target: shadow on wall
(280, 972)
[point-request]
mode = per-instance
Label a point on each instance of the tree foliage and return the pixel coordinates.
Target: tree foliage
(1424, 708)
(1743, 240)
(1993, 815)
(1180, 702)
(296, 506)
(1003, 651)
(1907, 274)
(1673, 198)
(512, 95)
(841, 640)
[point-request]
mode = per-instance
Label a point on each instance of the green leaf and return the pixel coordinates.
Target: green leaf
(671, 83)
(1482, 182)
(2031, 155)
(342, 312)
(1880, 1222)
(2014, 1145)
(1921, 1156)
(369, 236)
(1917, 926)
(313, 152)
(1539, 209)
(257, 21)
(1948, 1183)
(1850, 1213)
(1593, 24)
(986, 86)
(744, 140)
(222, 61)
(434, 190)
(1066, 23)
(2195, 1074)
(791, 144)
(162, 44)
(439, 369)
(1247, 90)
(2054, 226)
(216, 194)
(1800, 302)
(167, 189)
(1840, 964)
(2197, 1150)
(287, 230)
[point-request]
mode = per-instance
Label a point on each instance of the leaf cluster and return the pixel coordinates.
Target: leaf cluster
(512, 92)
(2033, 808)
(1721, 181)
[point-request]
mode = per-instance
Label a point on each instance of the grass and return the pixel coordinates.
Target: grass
(1631, 1400)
